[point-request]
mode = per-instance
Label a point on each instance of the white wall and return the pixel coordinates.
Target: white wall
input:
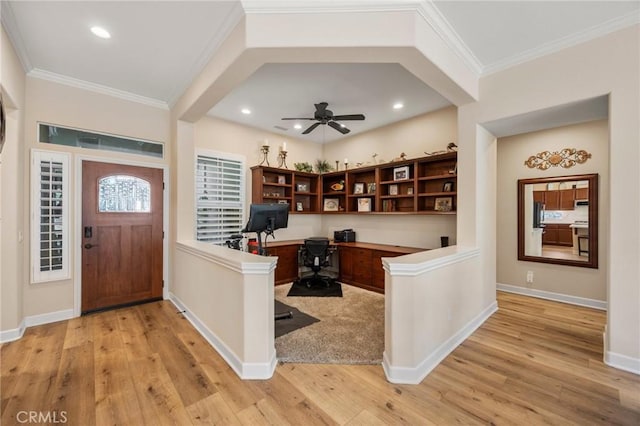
(12, 218)
(607, 65)
(512, 152)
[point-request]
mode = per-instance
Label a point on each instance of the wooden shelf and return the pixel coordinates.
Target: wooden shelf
(427, 177)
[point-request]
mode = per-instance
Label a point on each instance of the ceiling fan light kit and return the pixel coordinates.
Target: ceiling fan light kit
(325, 116)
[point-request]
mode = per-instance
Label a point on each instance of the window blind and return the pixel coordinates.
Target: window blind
(219, 197)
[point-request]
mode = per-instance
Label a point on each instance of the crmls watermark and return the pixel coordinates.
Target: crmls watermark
(48, 417)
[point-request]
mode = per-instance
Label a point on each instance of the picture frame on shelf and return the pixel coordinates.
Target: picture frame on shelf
(302, 187)
(283, 202)
(393, 189)
(443, 204)
(282, 179)
(410, 190)
(401, 173)
(371, 188)
(364, 204)
(299, 206)
(447, 187)
(358, 188)
(454, 170)
(330, 205)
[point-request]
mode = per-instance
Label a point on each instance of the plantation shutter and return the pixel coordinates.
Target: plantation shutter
(219, 197)
(49, 216)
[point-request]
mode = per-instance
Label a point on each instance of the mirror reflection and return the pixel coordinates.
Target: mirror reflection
(558, 220)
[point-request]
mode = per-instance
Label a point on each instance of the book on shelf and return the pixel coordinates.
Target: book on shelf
(388, 205)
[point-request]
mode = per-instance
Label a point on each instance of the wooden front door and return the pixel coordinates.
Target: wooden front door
(121, 235)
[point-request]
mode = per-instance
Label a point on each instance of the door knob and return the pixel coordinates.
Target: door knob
(89, 245)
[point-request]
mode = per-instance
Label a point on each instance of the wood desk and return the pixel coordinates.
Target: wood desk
(360, 263)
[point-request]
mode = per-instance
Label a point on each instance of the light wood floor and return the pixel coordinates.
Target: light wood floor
(532, 362)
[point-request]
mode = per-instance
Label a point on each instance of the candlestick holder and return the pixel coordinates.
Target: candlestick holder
(282, 159)
(265, 155)
(337, 165)
(346, 165)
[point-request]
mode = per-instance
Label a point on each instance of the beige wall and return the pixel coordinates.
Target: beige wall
(68, 106)
(12, 83)
(415, 136)
(220, 135)
(607, 65)
(512, 152)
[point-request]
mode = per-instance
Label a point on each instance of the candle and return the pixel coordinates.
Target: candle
(266, 142)
(346, 161)
(284, 146)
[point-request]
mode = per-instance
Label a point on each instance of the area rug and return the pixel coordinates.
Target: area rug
(287, 325)
(301, 290)
(350, 330)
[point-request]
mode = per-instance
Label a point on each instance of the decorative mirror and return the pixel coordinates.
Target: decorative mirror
(558, 220)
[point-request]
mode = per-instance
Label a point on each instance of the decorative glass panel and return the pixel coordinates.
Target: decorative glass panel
(124, 194)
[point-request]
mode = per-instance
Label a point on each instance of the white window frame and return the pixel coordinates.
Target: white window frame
(37, 158)
(240, 205)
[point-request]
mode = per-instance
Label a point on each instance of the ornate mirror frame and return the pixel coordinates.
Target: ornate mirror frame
(592, 262)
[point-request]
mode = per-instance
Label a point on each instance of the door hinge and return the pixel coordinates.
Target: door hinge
(162, 283)
(163, 235)
(163, 185)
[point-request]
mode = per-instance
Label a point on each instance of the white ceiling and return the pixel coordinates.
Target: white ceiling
(158, 47)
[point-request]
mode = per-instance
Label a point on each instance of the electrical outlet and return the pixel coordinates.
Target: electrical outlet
(529, 277)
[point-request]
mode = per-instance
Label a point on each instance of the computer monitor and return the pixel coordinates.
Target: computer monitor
(267, 217)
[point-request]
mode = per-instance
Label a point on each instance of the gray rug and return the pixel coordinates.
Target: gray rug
(287, 325)
(350, 330)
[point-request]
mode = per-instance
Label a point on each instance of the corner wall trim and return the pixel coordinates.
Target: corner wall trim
(13, 334)
(246, 371)
(622, 362)
(414, 375)
(556, 297)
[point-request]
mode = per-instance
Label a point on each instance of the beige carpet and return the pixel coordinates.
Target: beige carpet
(350, 331)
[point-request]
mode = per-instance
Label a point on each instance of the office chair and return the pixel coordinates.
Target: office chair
(316, 255)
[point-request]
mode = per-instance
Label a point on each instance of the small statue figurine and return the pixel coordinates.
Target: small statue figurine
(452, 147)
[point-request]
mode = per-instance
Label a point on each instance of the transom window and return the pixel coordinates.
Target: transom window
(124, 194)
(48, 133)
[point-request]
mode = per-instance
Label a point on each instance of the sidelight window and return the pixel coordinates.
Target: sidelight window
(219, 196)
(50, 216)
(124, 194)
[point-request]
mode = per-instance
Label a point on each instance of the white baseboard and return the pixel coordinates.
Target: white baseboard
(622, 362)
(13, 334)
(245, 370)
(33, 320)
(48, 318)
(415, 375)
(556, 297)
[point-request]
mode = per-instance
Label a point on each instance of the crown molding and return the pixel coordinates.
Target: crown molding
(96, 88)
(432, 15)
(9, 23)
(591, 33)
(229, 23)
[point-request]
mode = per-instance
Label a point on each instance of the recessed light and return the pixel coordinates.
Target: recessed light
(398, 105)
(245, 111)
(100, 32)
(342, 125)
(297, 126)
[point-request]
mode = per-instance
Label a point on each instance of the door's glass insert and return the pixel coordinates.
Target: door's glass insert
(124, 194)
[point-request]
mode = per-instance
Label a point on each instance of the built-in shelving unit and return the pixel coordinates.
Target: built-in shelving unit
(426, 185)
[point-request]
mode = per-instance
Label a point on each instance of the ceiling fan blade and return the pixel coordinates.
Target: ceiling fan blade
(348, 117)
(338, 127)
(310, 129)
(292, 118)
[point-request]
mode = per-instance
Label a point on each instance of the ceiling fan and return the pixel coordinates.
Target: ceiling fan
(325, 116)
